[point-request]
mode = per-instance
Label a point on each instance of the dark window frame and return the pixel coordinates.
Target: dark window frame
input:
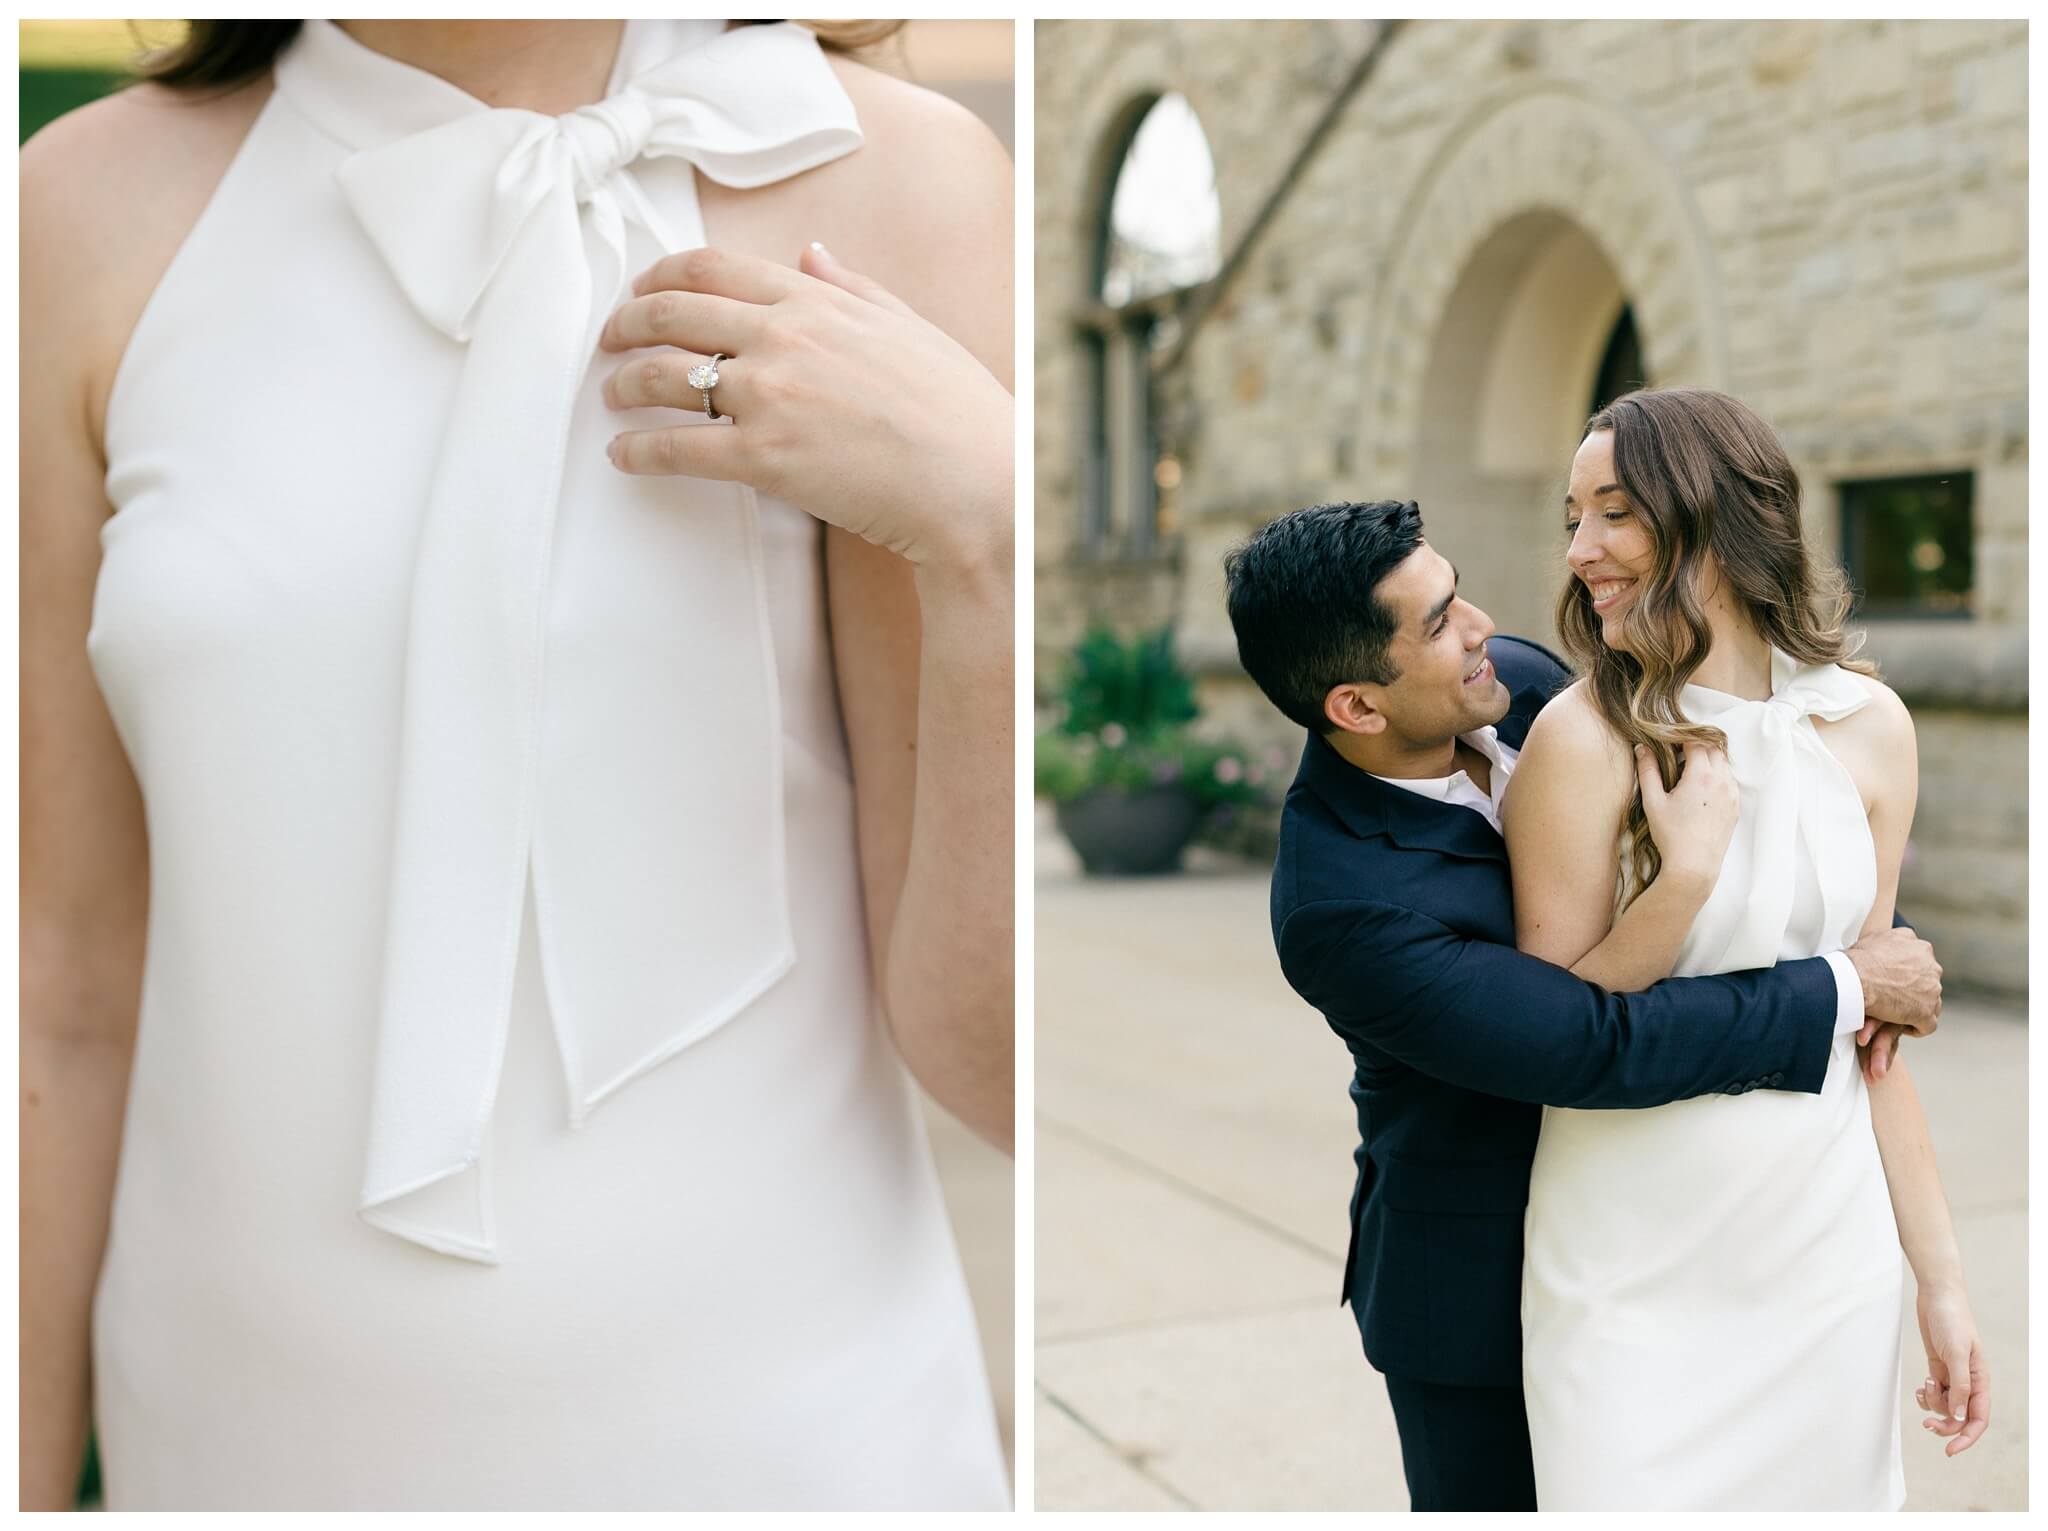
(1853, 512)
(1615, 376)
(1112, 336)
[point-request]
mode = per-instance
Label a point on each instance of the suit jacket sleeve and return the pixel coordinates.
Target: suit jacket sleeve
(1489, 1018)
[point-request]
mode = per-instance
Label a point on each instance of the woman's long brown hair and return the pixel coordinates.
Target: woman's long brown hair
(227, 53)
(1707, 476)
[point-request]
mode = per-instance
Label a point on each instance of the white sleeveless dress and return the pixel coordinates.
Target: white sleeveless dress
(487, 785)
(1713, 1290)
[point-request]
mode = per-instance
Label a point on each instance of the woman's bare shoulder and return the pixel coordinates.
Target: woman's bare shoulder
(1873, 742)
(1886, 715)
(1571, 755)
(926, 208)
(108, 193)
(133, 162)
(1878, 728)
(929, 165)
(1572, 729)
(928, 147)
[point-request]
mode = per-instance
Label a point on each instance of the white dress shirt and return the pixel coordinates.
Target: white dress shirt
(1459, 788)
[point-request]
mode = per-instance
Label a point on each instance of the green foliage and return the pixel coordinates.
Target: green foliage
(1137, 684)
(47, 94)
(89, 1478)
(1213, 773)
(1123, 725)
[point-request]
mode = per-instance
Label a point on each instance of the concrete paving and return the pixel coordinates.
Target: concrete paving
(1194, 1165)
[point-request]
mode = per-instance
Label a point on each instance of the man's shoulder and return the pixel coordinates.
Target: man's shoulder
(1306, 824)
(1532, 675)
(1525, 664)
(1327, 866)
(1312, 833)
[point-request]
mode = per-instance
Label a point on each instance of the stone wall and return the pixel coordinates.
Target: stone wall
(1827, 219)
(1964, 882)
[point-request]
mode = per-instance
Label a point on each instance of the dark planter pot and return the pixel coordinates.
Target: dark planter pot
(1129, 833)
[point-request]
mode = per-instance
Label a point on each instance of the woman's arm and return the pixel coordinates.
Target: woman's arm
(874, 394)
(1878, 747)
(1561, 815)
(925, 660)
(1961, 1395)
(84, 850)
(924, 667)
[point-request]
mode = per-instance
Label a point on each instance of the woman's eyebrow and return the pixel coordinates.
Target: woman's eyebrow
(1603, 489)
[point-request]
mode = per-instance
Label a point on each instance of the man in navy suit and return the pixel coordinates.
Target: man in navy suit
(1393, 913)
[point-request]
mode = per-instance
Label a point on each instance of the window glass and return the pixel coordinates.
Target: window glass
(1907, 545)
(1621, 364)
(1165, 223)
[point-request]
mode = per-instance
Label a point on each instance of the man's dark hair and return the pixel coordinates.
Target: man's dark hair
(1304, 601)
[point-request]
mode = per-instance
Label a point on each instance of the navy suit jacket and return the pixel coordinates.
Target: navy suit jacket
(1394, 916)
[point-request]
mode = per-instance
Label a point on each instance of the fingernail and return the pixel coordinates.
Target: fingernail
(1959, 1411)
(821, 249)
(611, 449)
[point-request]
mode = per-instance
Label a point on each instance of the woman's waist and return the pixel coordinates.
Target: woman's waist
(252, 1156)
(616, 1280)
(1758, 1136)
(287, 832)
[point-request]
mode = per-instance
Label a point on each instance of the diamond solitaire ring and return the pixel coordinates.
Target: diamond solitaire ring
(704, 377)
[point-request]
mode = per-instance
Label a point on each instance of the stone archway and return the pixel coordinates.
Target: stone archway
(1508, 383)
(1537, 222)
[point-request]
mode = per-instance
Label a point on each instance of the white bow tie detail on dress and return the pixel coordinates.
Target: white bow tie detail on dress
(659, 883)
(1791, 786)
(444, 206)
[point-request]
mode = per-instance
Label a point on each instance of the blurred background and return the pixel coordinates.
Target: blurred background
(1288, 262)
(65, 64)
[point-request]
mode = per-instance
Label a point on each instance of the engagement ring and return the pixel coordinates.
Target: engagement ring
(704, 378)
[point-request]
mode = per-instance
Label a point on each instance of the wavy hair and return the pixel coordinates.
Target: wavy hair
(1707, 476)
(227, 53)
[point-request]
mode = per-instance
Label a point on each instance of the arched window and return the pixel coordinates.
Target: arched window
(1159, 236)
(1621, 364)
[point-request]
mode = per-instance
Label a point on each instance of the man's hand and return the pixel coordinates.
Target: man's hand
(1901, 981)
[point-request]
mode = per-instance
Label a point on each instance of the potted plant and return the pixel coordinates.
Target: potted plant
(1130, 782)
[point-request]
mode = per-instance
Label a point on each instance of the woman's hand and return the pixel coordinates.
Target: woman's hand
(841, 401)
(1957, 1390)
(1693, 822)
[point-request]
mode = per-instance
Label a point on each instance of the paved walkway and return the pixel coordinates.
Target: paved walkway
(1194, 1164)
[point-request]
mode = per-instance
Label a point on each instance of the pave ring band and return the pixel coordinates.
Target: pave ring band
(704, 377)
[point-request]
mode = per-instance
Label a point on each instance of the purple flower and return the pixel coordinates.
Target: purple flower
(1229, 770)
(1166, 773)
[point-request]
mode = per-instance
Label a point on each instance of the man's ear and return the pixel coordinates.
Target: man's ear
(1355, 708)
